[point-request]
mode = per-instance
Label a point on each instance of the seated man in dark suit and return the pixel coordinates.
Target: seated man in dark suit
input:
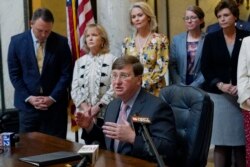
(117, 133)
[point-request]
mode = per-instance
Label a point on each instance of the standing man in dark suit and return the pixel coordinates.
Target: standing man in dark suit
(117, 133)
(39, 63)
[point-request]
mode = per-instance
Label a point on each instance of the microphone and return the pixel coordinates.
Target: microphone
(83, 162)
(137, 121)
(4, 119)
(8, 139)
(143, 122)
(89, 153)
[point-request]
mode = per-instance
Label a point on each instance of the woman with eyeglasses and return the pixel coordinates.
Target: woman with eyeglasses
(219, 67)
(186, 48)
(149, 47)
(91, 84)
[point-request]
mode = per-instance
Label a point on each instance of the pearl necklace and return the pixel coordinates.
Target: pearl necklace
(142, 46)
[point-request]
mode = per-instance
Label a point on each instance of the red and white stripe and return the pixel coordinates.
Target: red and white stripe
(85, 17)
(79, 15)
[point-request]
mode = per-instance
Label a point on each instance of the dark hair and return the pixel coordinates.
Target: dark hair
(43, 13)
(229, 4)
(124, 60)
(199, 12)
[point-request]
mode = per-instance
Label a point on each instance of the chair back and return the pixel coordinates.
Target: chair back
(9, 121)
(193, 112)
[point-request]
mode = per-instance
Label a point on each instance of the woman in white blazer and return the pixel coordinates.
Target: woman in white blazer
(243, 85)
(91, 84)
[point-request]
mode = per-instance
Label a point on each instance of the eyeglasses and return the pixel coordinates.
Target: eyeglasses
(192, 18)
(122, 76)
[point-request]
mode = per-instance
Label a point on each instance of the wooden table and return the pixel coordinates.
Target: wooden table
(37, 143)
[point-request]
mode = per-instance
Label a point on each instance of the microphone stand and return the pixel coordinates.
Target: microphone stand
(83, 162)
(152, 145)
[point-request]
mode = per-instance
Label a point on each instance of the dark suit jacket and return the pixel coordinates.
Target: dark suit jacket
(216, 63)
(24, 72)
(162, 129)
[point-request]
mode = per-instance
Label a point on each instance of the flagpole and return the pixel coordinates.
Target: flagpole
(197, 2)
(75, 29)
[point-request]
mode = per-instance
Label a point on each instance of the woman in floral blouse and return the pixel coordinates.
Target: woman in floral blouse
(150, 47)
(91, 85)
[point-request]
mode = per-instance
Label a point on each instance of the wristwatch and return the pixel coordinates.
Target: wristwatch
(100, 105)
(220, 85)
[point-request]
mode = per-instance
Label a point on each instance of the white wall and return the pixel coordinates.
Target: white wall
(114, 16)
(11, 23)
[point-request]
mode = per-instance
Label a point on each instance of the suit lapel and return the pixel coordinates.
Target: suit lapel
(112, 117)
(138, 105)
(49, 48)
(32, 53)
(183, 50)
(199, 52)
(46, 55)
(223, 48)
(237, 44)
(135, 110)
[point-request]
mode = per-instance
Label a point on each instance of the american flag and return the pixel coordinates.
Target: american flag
(79, 15)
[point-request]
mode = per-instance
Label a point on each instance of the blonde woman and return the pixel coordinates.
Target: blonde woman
(148, 46)
(91, 85)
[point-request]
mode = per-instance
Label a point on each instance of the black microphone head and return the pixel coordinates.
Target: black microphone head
(16, 138)
(95, 142)
(5, 118)
(139, 121)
